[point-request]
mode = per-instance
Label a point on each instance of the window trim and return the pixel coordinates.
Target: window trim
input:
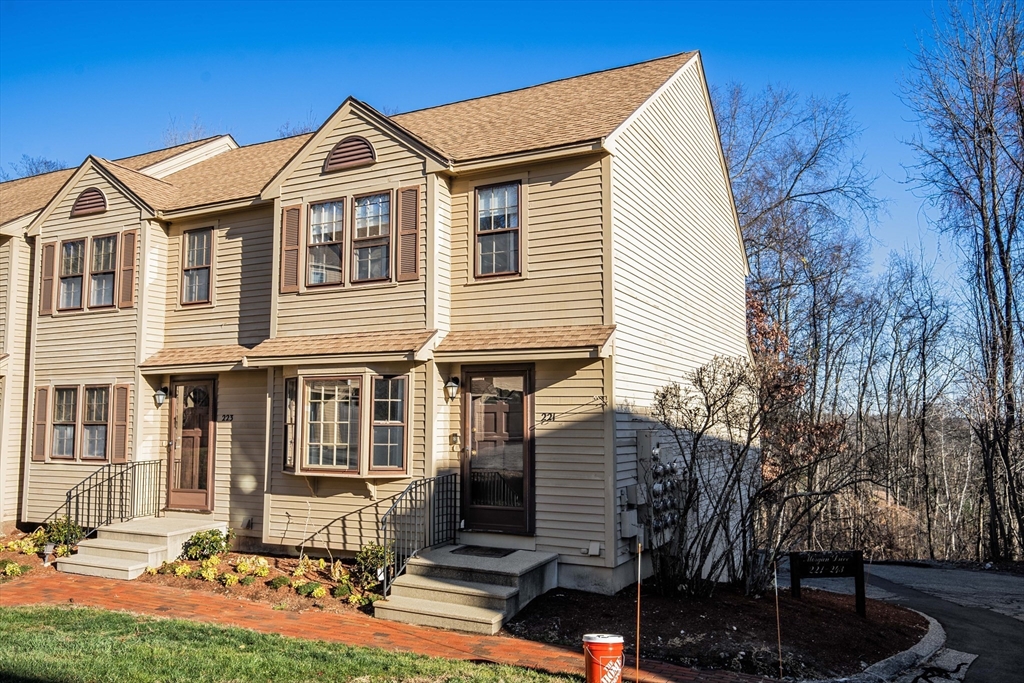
(53, 423)
(376, 240)
(110, 409)
(209, 266)
(87, 291)
(475, 217)
(58, 278)
(404, 424)
(295, 425)
(306, 241)
(302, 460)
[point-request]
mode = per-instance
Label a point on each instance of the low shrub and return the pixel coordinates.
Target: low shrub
(62, 551)
(341, 591)
(182, 570)
(229, 580)
(279, 582)
(261, 567)
(208, 573)
(206, 544)
(10, 568)
(247, 580)
(371, 562)
(308, 588)
(64, 531)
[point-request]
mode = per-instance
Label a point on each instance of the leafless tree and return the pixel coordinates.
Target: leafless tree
(307, 125)
(967, 89)
(178, 133)
(30, 166)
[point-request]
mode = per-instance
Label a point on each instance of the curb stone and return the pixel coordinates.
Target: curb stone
(891, 667)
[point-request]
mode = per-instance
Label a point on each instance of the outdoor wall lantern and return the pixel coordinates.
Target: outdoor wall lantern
(451, 389)
(160, 396)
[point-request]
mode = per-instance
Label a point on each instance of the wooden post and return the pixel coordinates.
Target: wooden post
(858, 578)
(794, 575)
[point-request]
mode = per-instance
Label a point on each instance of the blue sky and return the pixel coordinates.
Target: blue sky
(80, 78)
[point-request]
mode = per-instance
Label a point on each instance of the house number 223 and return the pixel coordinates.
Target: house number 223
(227, 418)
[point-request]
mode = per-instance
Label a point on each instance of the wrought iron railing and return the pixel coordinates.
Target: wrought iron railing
(426, 514)
(113, 493)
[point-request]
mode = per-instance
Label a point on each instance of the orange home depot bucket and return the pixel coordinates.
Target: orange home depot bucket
(602, 658)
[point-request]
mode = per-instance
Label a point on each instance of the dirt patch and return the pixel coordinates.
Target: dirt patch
(822, 635)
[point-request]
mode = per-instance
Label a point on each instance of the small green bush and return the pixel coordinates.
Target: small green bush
(247, 580)
(307, 589)
(64, 531)
(341, 591)
(370, 563)
(279, 582)
(205, 544)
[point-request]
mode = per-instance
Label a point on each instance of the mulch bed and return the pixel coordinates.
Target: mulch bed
(822, 635)
(283, 598)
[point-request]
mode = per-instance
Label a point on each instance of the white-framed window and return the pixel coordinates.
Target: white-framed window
(326, 243)
(72, 267)
(196, 266)
(95, 422)
(389, 423)
(497, 229)
(332, 423)
(102, 271)
(371, 237)
(65, 422)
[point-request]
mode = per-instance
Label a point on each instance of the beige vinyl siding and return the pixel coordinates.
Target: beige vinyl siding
(441, 270)
(342, 513)
(679, 274)
(156, 284)
(241, 281)
(17, 314)
(238, 465)
(390, 306)
(564, 256)
(5, 284)
(82, 347)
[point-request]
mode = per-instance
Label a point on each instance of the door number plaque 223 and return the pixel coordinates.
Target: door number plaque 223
(227, 418)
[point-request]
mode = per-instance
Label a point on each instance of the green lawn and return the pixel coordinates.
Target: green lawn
(75, 644)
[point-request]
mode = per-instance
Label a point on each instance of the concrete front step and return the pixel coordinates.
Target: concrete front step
(170, 532)
(454, 592)
(107, 567)
(532, 572)
(152, 555)
(440, 614)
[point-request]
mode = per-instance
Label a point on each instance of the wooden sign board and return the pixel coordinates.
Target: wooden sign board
(829, 565)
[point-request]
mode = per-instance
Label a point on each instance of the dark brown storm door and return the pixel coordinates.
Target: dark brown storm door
(497, 467)
(191, 467)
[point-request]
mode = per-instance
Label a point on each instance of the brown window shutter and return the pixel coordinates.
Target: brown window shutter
(119, 444)
(291, 227)
(46, 287)
(408, 234)
(40, 418)
(126, 290)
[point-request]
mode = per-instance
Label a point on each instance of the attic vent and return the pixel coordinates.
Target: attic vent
(89, 202)
(349, 153)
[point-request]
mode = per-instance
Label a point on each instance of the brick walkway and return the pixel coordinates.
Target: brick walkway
(51, 588)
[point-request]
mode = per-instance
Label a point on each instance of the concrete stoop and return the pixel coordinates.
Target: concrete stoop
(465, 592)
(125, 550)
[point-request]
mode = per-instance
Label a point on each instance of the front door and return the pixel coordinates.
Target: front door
(191, 471)
(497, 469)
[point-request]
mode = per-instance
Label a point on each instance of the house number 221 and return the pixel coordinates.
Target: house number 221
(227, 418)
(545, 418)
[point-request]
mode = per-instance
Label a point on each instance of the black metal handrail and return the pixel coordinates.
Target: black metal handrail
(425, 515)
(114, 493)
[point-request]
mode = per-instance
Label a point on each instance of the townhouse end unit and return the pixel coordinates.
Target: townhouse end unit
(286, 337)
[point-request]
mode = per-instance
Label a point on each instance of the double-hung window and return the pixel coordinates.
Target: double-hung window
(65, 420)
(72, 266)
(326, 236)
(389, 417)
(195, 278)
(94, 423)
(371, 237)
(332, 424)
(497, 230)
(101, 273)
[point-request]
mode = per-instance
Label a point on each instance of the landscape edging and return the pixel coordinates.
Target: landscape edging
(891, 667)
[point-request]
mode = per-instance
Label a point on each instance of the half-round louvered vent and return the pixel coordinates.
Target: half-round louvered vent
(349, 153)
(90, 201)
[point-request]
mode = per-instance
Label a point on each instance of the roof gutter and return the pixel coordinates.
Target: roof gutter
(203, 210)
(528, 156)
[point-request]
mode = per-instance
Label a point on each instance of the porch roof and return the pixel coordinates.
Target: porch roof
(215, 358)
(383, 345)
(567, 341)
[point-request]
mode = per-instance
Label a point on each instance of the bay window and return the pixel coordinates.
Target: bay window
(332, 422)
